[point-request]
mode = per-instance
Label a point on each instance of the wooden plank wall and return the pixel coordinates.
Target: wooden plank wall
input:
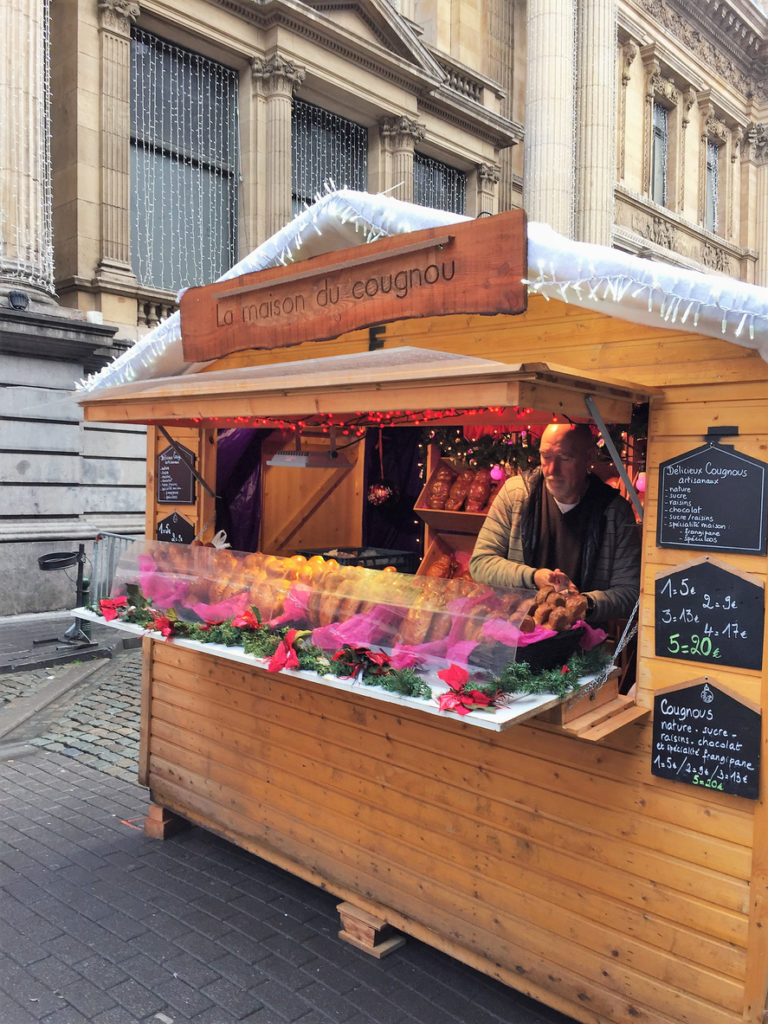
(202, 443)
(307, 509)
(561, 867)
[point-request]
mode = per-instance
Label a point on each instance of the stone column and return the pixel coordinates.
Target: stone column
(548, 178)
(26, 236)
(399, 136)
(115, 17)
(596, 120)
(488, 177)
(276, 79)
(757, 155)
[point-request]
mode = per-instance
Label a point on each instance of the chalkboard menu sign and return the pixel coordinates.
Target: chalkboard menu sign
(713, 498)
(704, 612)
(175, 479)
(175, 529)
(706, 737)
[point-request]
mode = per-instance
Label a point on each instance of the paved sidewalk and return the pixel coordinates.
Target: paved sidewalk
(101, 925)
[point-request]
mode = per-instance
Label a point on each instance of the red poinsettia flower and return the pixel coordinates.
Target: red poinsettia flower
(163, 625)
(455, 676)
(110, 606)
(451, 701)
(377, 657)
(247, 620)
(357, 658)
(480, 699)
(285, 656)
(564, 669)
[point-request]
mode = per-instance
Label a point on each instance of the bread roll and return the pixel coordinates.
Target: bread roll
(459, 491)
(541, 615)
(559, 619)
(480, 491)
(576, 606)
(439, 486)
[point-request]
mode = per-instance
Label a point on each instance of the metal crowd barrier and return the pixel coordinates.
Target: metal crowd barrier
(107, 549)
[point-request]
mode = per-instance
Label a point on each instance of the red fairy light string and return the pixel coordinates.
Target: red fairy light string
(358, 423)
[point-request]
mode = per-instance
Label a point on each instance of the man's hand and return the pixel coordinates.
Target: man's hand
(554, 578)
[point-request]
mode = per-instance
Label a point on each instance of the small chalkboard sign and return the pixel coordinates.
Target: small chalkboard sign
(175, 529)
(175, 479)
(705, 736)
(707, 612)
(713, 498)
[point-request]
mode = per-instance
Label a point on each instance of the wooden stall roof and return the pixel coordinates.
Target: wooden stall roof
(367, 387)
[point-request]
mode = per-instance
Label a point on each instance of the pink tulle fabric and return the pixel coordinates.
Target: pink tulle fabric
(161, 590)
(222, 611)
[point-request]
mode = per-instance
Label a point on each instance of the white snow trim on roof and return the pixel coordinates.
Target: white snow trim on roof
(644, 291)
(592, 276)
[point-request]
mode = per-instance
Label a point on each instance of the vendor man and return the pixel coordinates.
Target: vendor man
(561, 525)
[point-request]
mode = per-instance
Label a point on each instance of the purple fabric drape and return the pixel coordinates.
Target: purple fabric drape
(392, 525)
(238, 485)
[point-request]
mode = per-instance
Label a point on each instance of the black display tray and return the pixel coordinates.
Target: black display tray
(548, 653)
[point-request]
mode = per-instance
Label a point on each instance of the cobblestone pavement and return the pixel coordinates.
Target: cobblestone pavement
(99, 724)
(102, 925)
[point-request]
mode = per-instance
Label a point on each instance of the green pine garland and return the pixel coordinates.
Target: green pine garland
(519, 677)
(371, 667)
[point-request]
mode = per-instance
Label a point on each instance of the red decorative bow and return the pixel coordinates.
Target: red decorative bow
(285, 656)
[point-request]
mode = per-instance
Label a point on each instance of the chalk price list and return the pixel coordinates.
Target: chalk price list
(704, 737)
(705, 756)
(710, 615)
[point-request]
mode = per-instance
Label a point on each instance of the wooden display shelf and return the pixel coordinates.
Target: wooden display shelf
(460, 545)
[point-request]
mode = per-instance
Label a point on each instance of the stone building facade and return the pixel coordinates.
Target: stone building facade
(151, 144)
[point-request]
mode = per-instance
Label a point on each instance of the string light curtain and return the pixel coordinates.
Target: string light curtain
(659, 154)
(438, 185)
(713, 169)
(184, 165)
(325, 148)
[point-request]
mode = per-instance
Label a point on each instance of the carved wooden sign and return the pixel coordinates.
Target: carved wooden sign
(471, 267)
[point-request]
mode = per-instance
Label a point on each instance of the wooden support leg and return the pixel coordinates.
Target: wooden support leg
(160, 823)
(367, 932)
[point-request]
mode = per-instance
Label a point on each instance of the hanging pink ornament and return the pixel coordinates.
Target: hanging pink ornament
(497, 473)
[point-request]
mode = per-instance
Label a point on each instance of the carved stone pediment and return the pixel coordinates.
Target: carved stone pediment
(376, 22)
(663, 88)
(716, 129)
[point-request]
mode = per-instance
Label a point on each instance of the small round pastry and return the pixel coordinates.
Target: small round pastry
(559, 620)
